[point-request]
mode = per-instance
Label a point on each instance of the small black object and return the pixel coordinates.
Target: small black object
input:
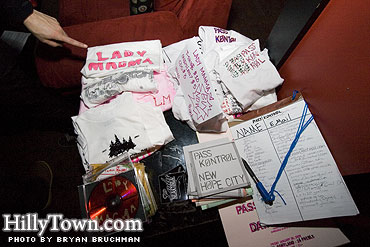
(141, 6)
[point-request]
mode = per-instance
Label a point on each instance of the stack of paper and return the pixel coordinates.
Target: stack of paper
(215, 171)
(242, 225)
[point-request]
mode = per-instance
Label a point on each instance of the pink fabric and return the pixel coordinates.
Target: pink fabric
(163, 97)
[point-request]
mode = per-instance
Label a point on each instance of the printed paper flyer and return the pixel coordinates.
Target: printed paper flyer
(242, 226)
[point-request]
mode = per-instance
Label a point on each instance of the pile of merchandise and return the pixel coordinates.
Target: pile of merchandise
(206, 81)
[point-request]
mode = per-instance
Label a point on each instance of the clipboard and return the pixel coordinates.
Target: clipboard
(310, 186)
(267, 109)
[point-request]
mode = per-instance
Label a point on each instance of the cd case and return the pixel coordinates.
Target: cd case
(173, 185)
(126, 195)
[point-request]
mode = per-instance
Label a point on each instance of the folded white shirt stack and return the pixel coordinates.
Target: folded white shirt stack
(248, 73)
(128, 56)
(106, 131)
(114, 68)
(241, 74)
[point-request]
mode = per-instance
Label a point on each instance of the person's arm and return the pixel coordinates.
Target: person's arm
(48, 30)
(15, 13)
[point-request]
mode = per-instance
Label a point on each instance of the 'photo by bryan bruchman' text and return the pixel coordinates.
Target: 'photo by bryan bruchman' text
(73, 239)
(55, 223)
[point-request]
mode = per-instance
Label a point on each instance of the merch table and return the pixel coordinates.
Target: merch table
(182, 223)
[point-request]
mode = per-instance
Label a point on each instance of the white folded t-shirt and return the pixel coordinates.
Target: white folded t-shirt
(106, 131)
(214, 38)
(100, 89)
(128, 56)
(248, 73)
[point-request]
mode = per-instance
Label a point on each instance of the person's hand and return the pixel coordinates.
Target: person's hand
(48, 30)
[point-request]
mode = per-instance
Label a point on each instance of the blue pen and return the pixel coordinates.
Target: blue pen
(265, 195)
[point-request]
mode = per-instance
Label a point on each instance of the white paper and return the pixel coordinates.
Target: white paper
(243, 228)
(311, 183)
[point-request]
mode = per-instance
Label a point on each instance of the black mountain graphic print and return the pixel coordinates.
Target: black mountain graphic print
(119, 147)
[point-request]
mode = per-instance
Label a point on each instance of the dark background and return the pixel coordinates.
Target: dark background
(36, 126)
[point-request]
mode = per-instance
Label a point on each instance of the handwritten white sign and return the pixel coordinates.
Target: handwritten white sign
(192, 74)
